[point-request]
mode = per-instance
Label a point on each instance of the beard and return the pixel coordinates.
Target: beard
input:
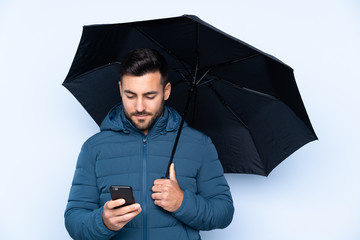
(144, 124)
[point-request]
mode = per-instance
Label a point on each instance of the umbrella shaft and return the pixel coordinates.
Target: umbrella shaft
(190, 94)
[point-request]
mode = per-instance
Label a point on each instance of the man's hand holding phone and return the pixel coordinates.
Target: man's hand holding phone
(117, 212)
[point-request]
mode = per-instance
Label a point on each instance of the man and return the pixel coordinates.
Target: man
(133, 148)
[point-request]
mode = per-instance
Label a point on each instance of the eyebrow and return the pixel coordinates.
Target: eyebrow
(147, 93)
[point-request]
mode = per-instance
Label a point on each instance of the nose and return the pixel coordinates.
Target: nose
(140, 107)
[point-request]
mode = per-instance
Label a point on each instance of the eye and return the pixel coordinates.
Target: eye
(150, 96)
(130, 96)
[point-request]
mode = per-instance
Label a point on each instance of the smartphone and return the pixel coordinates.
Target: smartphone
(124, 192)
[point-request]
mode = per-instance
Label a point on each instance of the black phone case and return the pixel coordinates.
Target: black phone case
(124, 192)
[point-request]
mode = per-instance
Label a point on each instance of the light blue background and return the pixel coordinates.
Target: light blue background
(314, 194)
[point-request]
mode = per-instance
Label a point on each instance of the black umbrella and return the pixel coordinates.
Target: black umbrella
(244, 99)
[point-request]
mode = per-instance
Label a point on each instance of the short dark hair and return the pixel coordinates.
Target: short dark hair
(142, 61)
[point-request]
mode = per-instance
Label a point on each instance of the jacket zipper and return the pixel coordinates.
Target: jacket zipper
(145, 233)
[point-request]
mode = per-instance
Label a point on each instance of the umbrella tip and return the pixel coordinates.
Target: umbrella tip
(190, 16)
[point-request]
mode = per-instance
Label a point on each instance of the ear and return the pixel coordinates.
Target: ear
(167, 91)
(120, 88)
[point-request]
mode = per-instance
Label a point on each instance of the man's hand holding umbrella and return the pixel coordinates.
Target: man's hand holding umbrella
(167, 192)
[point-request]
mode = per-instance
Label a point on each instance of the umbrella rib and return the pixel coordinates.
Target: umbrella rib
(233, 61)
(182, 75)
(210, 68)
(208, 81)
(222, 100)
(248, 89)
(163, 48)
(197, 53)
(202, 77)
(240, 88)
(196, 70)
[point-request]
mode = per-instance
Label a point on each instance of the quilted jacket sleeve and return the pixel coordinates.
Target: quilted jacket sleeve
(83, 215)
(212, 206)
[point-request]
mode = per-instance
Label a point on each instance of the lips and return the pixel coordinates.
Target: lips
(141, 116)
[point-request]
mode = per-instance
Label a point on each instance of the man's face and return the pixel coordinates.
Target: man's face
(143, 99)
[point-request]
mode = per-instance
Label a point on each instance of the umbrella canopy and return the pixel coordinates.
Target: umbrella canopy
(247, 101)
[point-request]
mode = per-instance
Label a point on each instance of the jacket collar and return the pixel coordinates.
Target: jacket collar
(117, 121)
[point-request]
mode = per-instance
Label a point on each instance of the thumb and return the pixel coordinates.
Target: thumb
(172, 172)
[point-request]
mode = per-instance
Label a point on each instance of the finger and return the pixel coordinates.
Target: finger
(114, 203)
(160, 181)
(172, 172)
(155, 188)
(127, 209)
(128, 216)
(156, 196)
(158, 188)
(158, 203)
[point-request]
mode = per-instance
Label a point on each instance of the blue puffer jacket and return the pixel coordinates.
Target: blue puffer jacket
(122, 155)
